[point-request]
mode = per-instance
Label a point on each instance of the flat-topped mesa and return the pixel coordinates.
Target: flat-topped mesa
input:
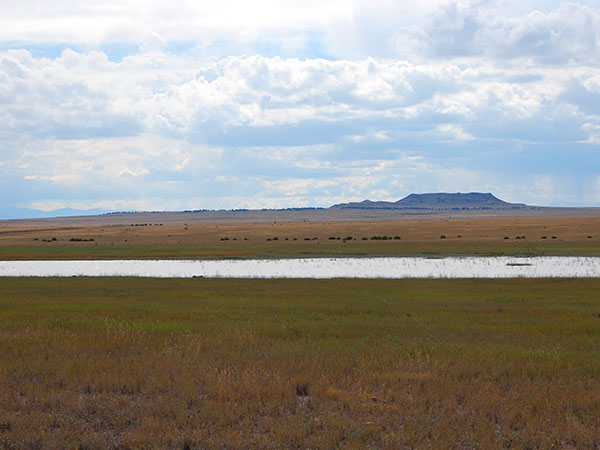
(438, 201)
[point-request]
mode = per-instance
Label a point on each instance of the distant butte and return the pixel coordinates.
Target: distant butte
(437, 201)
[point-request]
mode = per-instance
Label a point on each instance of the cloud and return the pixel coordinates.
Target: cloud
(200, 112)
(550, 32)
(593, 131)
(455, 131)
(206, 28)
(457, 29)
(71, 97)
(274, 101)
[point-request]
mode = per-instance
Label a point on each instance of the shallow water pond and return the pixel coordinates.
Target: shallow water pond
(463, 267)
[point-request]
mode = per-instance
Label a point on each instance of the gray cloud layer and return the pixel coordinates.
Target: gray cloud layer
(567, 35)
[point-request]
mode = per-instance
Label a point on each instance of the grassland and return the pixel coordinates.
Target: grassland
(474, 236)
(198, 363)
(127, 363)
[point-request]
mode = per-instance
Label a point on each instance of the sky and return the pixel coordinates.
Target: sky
(184, 105)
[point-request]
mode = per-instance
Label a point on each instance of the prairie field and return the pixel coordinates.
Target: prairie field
(130, 363)
(152, 239)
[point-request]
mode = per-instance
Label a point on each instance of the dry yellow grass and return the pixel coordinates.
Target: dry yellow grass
(569, 236)
(146, 363)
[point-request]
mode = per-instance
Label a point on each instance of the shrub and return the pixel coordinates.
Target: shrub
(443, 236)
(365, 239)
(397, 237)
(302, 389)
(544, 237)
(506, 237)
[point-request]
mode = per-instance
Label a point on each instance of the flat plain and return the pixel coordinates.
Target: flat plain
(164, 236)
(131, 363)
(198, 363)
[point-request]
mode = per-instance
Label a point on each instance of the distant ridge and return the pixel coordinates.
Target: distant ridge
(438, 201)
(28, 213)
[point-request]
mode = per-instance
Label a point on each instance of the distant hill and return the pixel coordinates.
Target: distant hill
(437, 201)
(28, 213)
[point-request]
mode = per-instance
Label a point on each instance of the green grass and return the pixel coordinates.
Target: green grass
(282, 249)
(214, 363)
